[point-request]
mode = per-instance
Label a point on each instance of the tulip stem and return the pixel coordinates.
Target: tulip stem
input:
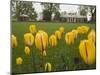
(19, 68)
(42, 61)
(33, 63)
(28, 63)
(64, 62)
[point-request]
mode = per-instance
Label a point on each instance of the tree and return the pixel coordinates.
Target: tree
(46, 15)
(57, 16)
(49, 9)
(84, 9)
(13, 8)
(24, 8)
(94, 14)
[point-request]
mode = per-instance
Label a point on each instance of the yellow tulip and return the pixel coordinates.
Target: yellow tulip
(82, 29)
(58, 34)
(27, 50)
(14, 41)
(79, 29)
(75, 32)
(87, 51)
(45, 34)
(61, 29)
(19, 61)
(32, 28)
(69, 37)
(41, 40)
(53, 40)
(92, 36)
(29, 39)
(48, 67)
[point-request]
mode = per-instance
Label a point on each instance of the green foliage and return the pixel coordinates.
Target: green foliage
(83, 9)
(57, 16)
(46, 15)
(23, 8)
(49, 9)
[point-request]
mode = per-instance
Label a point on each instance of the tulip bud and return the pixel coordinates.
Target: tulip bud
(58, 34)
(44, 53)
(48, 67)
(29, 39)
(87, 51)
(41, 40)
(69, 37)
(27, 50)
(61, 29)
(19, 61)
(14, 41)
(79, 30)
(32, 29)
(75, 32)
(92, 36)
(53, 40)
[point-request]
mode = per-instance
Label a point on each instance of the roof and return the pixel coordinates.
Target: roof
(76, 15)
(23, 15)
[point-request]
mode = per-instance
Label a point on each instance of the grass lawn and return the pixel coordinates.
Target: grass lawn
(62, 57)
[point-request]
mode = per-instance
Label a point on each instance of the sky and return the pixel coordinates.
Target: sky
(63, 7)
(69, 8)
